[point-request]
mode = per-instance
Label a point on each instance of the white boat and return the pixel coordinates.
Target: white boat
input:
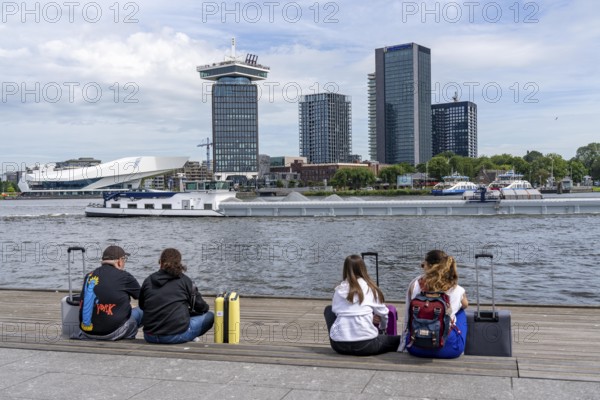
(453, 185)
(201, 199)
(216, 201)
(511, 185)
(507, 179)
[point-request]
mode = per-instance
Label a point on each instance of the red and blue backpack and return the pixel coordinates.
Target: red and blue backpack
(429, 320)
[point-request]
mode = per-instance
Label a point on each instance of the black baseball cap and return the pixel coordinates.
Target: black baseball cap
(114, 253)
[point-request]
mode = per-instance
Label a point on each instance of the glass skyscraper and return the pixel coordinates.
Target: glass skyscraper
(325, 121)
(235, 116)
(402, 126)
(454, 128)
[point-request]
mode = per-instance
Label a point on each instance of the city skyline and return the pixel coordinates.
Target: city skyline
(82, 85)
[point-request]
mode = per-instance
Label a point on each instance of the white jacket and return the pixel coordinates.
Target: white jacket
(354, 321)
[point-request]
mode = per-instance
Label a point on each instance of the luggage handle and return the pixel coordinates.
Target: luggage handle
(72, 261)
(494, 316)
(376, 255)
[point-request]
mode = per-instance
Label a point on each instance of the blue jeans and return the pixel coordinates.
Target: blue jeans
(455, 342)
(199, 325)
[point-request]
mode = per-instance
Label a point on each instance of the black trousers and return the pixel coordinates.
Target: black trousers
(380, 344)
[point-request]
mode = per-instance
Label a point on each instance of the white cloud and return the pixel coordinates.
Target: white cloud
(157, 56)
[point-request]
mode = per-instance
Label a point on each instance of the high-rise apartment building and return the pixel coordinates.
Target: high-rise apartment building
(454, 128)
(402, 104)
(372, 117)
(235, 115)
(325, 121)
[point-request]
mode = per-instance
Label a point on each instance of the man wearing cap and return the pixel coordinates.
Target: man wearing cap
(105, 311)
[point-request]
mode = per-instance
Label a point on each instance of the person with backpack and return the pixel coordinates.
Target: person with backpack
(357, 306)
(435, 321)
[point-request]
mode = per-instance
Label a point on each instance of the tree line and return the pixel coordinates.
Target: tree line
(536, 167)
(8, 187)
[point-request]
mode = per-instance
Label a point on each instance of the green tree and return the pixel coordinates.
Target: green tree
(292, 184)
(588, 155)
(482, 163)
(438, 167)
(577, 170)
(531, 156)
(558, 166)
(354, 178)
(389, 174)
(595, 169)
(279, 183)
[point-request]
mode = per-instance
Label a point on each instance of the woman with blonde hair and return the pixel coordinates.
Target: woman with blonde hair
(356, 307)
(440, 274)
(169, 298)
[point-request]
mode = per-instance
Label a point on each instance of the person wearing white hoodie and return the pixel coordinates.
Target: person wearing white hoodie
(356, 308)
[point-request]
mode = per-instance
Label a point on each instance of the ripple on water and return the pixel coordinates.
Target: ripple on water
(537, 259)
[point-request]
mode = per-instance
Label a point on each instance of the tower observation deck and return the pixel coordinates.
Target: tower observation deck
(234, 68)
(235, 115)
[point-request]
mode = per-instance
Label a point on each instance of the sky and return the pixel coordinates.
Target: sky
(113, 79)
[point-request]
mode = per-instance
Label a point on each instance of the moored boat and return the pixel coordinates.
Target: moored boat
(453, 185)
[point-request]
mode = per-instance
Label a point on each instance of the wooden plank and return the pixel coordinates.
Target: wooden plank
(293, 332)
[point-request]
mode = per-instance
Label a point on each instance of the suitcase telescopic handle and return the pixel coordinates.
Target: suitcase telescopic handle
(376, 255)
(484, 255)
(491, 257)
(70, 261)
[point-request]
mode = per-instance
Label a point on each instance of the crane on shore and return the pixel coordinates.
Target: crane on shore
(207, 144)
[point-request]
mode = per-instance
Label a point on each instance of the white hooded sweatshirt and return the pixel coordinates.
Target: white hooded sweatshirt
(354, 321)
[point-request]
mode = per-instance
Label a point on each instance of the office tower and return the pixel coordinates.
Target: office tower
(403, 104)
(454, 128)
(325, 121)
(235, 115)
(372, 120)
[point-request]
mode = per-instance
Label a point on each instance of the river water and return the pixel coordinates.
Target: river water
(538, 259)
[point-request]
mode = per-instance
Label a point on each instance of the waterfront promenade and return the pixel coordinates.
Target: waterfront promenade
(284, 354)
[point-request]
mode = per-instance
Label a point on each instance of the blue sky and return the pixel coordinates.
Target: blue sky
(116, 79)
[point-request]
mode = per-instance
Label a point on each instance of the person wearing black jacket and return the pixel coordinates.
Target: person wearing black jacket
(105, 311)
(166, 298)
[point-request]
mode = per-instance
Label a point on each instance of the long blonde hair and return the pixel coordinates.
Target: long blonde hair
(354, 268)
(440, 272)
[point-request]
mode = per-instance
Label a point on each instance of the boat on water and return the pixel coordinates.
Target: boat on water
(511, 185)
(200, 199)
(509, 178)
(453, 185)
(223, 203)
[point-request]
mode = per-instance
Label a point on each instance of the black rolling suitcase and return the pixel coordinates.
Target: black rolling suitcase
(489, 333)
(69, 305)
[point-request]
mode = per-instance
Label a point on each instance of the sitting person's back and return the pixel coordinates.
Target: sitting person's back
(357, 305)
(105, 309)
(166, 298)
(440, 275)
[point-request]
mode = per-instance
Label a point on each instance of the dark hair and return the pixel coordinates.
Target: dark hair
(170, 262)
(354, 268)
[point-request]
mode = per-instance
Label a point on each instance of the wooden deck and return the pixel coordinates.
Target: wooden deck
(548, 342)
